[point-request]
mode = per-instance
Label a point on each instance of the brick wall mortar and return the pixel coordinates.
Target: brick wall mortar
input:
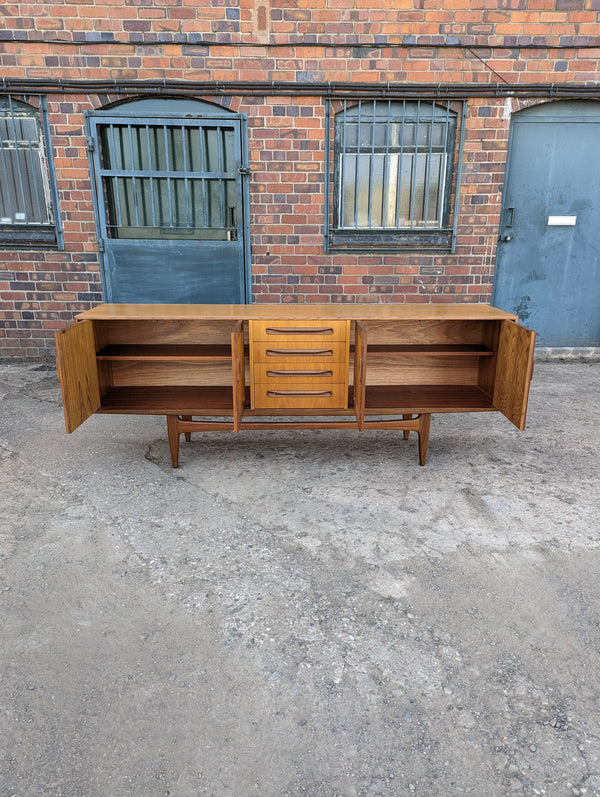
(563, 23)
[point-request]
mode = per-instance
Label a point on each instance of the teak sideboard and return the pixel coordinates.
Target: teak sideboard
(240, 367)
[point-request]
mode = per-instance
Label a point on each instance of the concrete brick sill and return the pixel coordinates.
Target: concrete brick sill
(567, 353)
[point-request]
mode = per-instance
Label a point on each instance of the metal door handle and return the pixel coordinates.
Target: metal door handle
(505, 238)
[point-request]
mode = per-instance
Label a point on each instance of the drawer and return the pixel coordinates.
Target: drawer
(267, 396)
(292, 373)
(311, 354)
(286, 329)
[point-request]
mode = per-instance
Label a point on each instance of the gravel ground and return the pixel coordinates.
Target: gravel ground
(300, 613)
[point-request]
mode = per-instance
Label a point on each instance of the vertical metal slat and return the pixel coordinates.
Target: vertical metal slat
(7, 181)
(372, 165)
(427, 175)
(342, 200)
(400, 160)
(136, 211)
(18, 158)
(180, 213)
(150, 168)
(138, 164)
(458, 175)
(443, 167)
(203, 168)
(168, 169)
(35, 182)
(186, 182)
(414, 169)
(115, 180)
(356, 165)
(221, 169)
(386, 168)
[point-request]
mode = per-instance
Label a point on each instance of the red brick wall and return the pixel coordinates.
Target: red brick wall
(298, 42)
(434, 22)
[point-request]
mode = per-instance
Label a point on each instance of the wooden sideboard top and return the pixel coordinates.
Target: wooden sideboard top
(360, 312)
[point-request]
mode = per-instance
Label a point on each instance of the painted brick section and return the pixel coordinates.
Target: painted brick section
(295, 42)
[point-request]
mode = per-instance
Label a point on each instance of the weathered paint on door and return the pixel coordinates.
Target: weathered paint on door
(171, 204)
(548, 259)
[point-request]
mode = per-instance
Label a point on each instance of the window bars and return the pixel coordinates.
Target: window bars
(393, 163)
(170, 179)
(26, 176)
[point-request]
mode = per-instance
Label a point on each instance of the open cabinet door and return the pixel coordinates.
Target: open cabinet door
(360, 373)
(77, 373)
(514, 370)
(238, 365)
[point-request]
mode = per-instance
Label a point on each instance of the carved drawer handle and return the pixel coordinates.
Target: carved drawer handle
(299, 373)
(299, 331)
(299, 352)
(286, 393)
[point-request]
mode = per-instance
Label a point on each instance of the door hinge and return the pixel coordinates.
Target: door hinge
(90, 144)
(100, 245)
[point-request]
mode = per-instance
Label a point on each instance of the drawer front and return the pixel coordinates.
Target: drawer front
(294, 374)
(305, 354)
(332, 396)
(303, 331)
(297, 364)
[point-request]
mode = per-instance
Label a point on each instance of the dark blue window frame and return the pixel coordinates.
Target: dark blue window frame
(391, 174)
(28, 195)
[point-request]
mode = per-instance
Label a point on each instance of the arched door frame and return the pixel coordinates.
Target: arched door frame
(170, 109)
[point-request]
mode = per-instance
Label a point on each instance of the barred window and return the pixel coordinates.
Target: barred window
(26, 207)
(173, 179)
(392, 176)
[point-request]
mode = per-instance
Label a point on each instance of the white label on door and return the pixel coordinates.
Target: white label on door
(562, 221)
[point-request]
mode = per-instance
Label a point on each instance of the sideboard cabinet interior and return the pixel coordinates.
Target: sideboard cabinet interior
(240, 367)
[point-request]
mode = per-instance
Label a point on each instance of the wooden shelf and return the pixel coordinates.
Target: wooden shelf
(208, 400)
(439, 350)
(161, 352)
(426, 398)
(158, 400)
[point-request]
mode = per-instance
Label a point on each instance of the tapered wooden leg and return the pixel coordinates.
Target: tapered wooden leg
(173, 432)
(406, 431)
(424, 437)
(188, 435)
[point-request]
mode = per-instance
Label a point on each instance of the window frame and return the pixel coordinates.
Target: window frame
(430, 236)
(32, 234)
(150, 185)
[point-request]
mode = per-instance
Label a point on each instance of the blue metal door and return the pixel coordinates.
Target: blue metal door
(170, 205)
(548, 259)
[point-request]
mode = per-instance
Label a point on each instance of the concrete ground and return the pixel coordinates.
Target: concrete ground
(304, 614)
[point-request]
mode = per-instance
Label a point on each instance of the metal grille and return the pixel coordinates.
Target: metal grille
(169, 179)
(24, 189)
(392, 164)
